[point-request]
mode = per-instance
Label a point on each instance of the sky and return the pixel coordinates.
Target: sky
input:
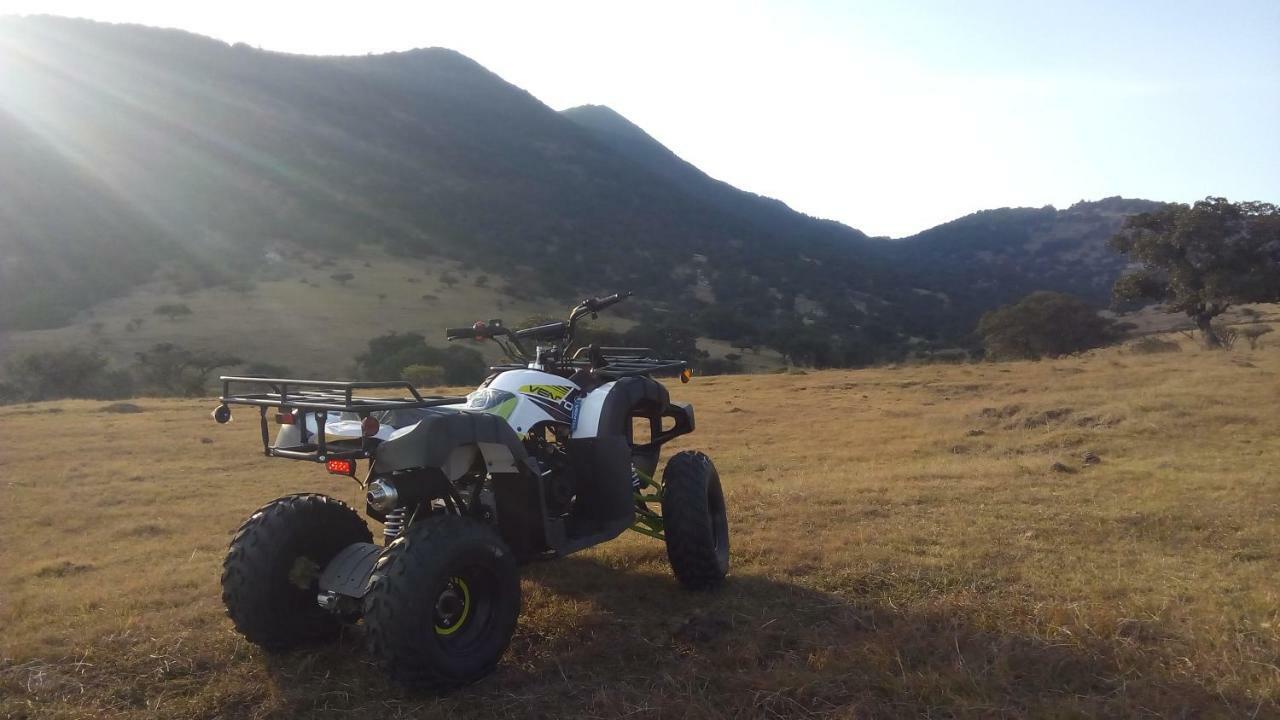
(891, 117)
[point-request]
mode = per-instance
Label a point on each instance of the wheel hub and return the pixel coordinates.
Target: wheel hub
(452, 607)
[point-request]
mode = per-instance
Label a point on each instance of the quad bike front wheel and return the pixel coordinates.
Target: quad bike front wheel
(694, 521)
(443, 602)
(271, 573)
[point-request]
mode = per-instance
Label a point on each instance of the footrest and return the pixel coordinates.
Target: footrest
(348, 573)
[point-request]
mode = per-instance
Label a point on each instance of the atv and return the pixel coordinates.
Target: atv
(552, 454)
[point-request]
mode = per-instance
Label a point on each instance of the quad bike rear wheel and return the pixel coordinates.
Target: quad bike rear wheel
(271, 573)
(694, 521)
(443, 602)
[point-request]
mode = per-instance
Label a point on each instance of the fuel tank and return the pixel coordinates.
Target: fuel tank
(525, 398)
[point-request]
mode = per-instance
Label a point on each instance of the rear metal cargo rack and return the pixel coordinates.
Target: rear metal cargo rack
(319, 398)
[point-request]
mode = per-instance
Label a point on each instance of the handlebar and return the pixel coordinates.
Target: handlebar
(598, 304)
(558, 331)
(550, 331)
(479, 331)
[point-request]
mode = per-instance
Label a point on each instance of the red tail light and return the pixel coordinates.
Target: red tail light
(341, 467)
(369, 426)
(285, 418)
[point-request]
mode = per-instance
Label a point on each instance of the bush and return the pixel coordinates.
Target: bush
(1254, 333)
(70, 372)
(1043, 324)
(423, 375)
(389, 355)
(1151, 344)
(1227, 335)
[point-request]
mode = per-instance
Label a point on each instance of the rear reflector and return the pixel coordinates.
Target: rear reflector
(341, 467)
(285, 418)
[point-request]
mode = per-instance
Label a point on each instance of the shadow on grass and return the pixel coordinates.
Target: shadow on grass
(602, 642)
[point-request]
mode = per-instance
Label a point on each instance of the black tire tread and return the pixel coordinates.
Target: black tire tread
(251, 557)
(687, 523)
(389, 606)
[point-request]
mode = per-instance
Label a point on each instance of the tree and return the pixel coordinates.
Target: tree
(173, 369)
(667, 340)
(342, 278)
(389, 355)
(449, 279)
(1043, 324)
(1202, 259)
(172, 310)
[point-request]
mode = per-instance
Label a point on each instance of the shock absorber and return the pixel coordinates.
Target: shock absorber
(394, 524)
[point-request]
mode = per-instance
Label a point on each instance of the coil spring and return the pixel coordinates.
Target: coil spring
(394, 524)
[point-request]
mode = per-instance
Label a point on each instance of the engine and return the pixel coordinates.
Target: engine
(547, 445)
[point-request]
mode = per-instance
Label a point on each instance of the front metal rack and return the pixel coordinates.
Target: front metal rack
(319, 398)
(615, 362)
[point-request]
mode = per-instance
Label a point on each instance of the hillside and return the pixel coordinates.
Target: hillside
(154, 164)
(220, 152)
(995, 257)
(947, 569)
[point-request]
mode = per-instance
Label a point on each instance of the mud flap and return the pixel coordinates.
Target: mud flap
(348, 573)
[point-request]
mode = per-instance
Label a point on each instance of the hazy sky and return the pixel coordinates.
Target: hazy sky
(888, 116)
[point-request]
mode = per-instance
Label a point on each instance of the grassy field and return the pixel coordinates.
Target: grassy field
(912, 542)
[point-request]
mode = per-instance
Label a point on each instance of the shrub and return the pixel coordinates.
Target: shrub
(1254, 333)
(423, 375)
(70, 372)
(1227, 335)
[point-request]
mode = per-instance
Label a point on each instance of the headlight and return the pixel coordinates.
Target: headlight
(487, 399)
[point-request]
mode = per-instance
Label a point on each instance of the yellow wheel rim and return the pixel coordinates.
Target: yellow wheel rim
(461, 585)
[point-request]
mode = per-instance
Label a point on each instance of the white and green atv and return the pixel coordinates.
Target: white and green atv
(550, 455)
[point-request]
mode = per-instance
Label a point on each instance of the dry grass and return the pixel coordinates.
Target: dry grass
(901, 547)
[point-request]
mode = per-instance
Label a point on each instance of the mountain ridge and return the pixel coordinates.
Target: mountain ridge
(201, 154)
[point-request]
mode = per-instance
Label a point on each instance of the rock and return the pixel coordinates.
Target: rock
(1090, 458)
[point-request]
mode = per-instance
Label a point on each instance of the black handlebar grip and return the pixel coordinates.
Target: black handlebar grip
(597, 304)
(459, 333)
